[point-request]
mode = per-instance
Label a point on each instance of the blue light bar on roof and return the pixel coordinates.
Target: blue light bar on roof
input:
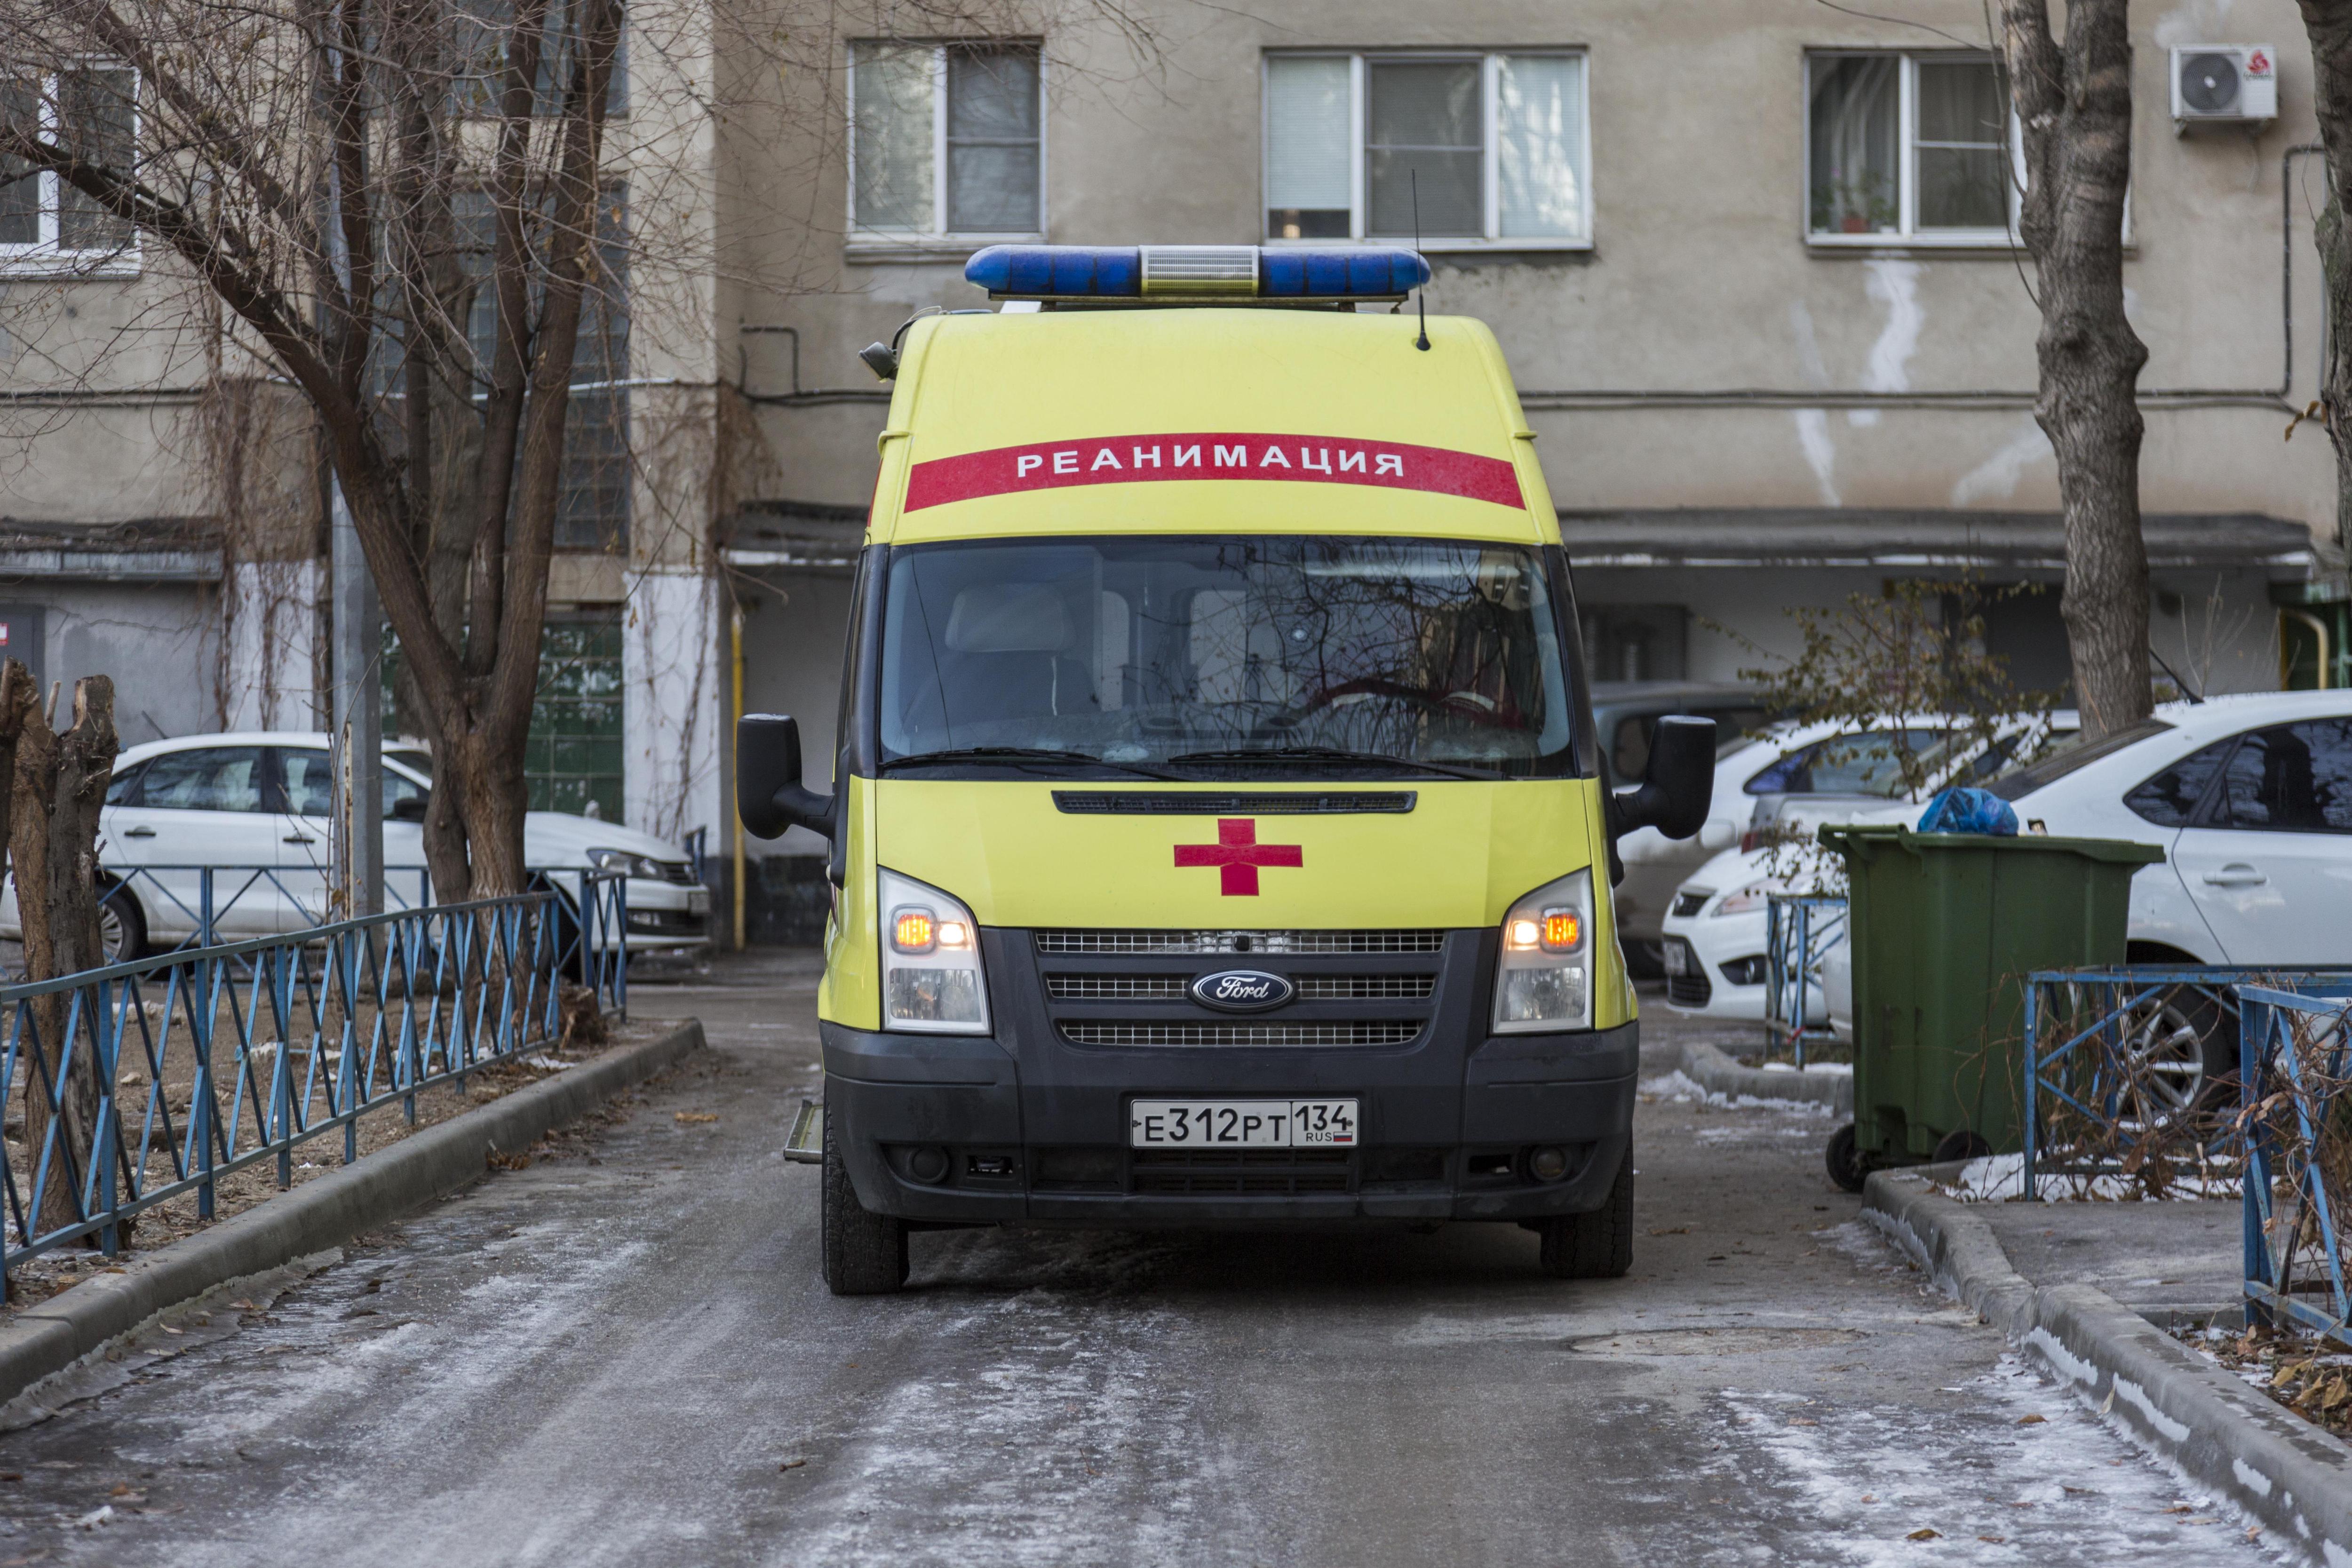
(1206, 273)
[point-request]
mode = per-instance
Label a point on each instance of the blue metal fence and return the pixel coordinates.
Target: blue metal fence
(2293, 1047)
(196, 1063)
(1801, 929)
(2115, 1068)
(212, 903)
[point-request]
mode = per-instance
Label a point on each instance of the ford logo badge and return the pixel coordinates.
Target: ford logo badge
(1241, 991)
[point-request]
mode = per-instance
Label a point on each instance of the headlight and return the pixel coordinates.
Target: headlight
(627, 863)
(930, 960)
(1746, 901)
(1544, 979)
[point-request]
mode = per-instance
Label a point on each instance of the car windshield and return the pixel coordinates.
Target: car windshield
(2064, 756)
(1225, 656)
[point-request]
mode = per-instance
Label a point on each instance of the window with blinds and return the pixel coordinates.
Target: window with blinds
(945, 141)
(1464, 149)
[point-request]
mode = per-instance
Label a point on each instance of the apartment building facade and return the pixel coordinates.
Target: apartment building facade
(1753, 265)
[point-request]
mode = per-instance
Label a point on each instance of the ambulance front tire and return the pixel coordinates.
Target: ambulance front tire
(1596, 1245)
(864, 1253)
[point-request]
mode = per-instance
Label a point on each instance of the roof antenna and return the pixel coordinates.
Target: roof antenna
(1421, 298)
(2194, 696)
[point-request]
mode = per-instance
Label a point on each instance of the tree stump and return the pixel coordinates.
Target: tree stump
(56, 786)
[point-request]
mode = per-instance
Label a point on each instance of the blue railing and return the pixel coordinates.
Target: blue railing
(2293, 1050)
(1800, 928)
(2115, 1069)
(175, 1069)
(212, 903)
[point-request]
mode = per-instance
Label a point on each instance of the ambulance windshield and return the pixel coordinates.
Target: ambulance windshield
(1228, 657)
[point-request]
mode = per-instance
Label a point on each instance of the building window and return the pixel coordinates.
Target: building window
(593, 506)
(46, 225)
(944, 141)
(573, 761)
(1914, 148)
(1493, 150)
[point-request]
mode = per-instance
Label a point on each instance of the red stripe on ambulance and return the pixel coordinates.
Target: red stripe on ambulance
(1139, 459)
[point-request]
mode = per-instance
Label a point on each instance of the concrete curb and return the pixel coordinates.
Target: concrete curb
(321, 1213)
(1717, 1073)
(2222, 1435)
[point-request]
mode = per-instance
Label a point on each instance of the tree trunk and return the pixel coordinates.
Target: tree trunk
(2073, 104)
(2329, 25)
(57, 784)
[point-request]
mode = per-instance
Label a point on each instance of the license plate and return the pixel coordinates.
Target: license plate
(1241, 1124)
(1677, 958)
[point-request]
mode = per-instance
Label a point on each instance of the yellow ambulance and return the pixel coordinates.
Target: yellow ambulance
(1218, 836)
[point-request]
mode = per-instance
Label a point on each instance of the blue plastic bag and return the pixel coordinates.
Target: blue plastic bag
(1969, 811)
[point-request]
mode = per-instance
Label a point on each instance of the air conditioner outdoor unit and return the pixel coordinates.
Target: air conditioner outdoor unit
(2224, 84)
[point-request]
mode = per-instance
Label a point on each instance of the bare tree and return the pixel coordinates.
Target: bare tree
(2074, 106)
(305, 160)
(413, 214)
(2329, 23)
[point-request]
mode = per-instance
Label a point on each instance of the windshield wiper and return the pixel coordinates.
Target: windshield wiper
(1021, 754)
(1325, 754)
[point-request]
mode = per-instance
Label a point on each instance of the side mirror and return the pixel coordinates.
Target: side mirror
(408, 808)
(1677, 785)
(769, 795)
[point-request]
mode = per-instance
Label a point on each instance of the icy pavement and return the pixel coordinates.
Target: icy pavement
(622, 1356)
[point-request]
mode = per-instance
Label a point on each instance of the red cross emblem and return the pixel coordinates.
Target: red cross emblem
(1237, 855)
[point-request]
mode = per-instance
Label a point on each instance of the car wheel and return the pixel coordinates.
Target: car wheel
(1596, 1245)
(121, 926)
(2182, 1045)
(1645, 959)
(1843, 1158)
(864, 1253)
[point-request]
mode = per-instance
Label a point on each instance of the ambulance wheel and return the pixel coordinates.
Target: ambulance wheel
(864, 1253)
(1596, 1245)
(1845, 1160)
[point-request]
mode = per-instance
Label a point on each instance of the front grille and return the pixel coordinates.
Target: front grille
(1221, 941)
(1115, 987)
(1360, 1034)
(1174, 987)
(1688, 990)
(667, 922)
(1276, 1171)
(1366, 987)
(1209, 803)
(1687, 904)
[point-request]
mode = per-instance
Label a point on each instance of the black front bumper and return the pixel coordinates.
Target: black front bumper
(1027, 1126)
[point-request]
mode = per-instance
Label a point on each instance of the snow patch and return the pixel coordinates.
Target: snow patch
(2000, 1178)
(2136, 1398)
(2053, 1351)
(1681, 1089)
(2251, 1477)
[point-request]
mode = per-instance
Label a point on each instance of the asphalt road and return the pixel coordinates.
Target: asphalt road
(623, 1354)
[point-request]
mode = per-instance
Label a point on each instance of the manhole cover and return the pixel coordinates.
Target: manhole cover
(1711, 1342)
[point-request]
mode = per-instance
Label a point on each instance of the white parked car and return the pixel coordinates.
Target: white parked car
(1792, 783)
(262, 799)
(2251, 799)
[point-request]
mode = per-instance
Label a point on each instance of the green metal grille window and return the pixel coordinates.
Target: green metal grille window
(574, 755)
(572, 759)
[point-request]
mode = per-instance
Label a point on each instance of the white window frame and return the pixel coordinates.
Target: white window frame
(44, 258)
(1907, 161)
(938, 233)
(1490, 185)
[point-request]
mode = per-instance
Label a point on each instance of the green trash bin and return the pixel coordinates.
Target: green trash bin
(1944, 929)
